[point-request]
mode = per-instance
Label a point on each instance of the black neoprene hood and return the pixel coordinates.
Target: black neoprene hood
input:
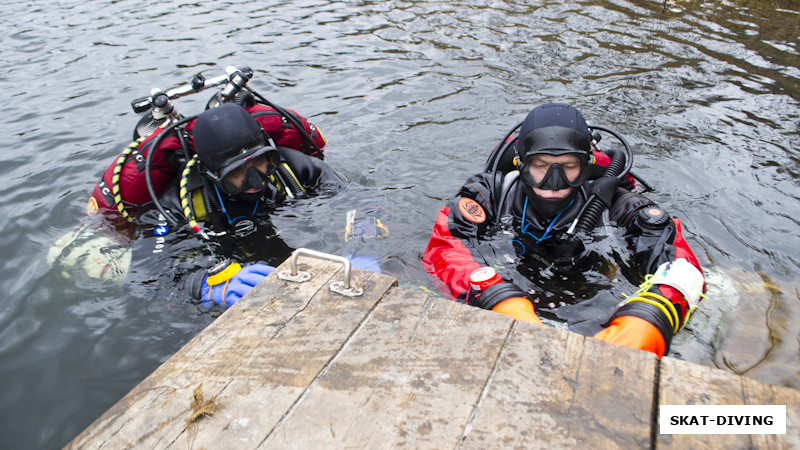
(556, 129)
(225, 135)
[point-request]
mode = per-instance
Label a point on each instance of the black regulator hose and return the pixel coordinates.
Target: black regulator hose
(628, 151)
(291, 118)
(148, 163)
(619, 167)
(593, 208)
(493, 161)
(290, 181)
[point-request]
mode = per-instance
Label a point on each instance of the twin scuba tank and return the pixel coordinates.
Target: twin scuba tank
(158, 111)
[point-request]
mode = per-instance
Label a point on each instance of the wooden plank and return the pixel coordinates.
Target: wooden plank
(683, 383)
(555, 389)
(302, 324)
(295, 365)
(409, 378)
(283, 366)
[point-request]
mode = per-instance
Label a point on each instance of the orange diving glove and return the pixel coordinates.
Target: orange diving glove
(635, 333)
(489, 291)
(519, 308)
(661, 307)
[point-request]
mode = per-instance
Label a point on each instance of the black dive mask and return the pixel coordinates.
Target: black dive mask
(246, 178)
(555, 179)
(254, 186)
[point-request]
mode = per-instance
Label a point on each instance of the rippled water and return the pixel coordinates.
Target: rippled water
(411, 96)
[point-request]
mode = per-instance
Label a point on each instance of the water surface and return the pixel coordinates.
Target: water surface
(411, 95)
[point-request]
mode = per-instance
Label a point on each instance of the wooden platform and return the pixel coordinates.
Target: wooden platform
(294, 365)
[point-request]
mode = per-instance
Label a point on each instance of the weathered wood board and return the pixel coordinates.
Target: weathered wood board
(683, 383)
(294, 365)
(555, 389)
(408, 378)
(257, 359)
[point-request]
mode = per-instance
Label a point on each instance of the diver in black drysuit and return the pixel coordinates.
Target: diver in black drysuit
(239, 176)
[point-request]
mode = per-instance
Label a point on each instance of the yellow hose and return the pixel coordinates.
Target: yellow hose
(123, 157)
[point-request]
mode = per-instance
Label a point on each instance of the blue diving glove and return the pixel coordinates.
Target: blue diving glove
(365, 262)
(227, 282)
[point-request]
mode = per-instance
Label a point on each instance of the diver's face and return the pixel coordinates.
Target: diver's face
(236, 178)
(541, 163)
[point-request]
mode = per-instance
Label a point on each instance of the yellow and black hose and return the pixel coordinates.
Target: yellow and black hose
(121, 160)
(290, 181)
(185, 197)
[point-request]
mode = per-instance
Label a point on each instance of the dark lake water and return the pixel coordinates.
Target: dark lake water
(411, 96)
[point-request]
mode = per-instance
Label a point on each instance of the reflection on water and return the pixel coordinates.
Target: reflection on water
(411, 96)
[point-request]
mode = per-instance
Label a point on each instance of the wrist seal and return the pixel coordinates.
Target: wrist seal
(194, 282)
(496, 293)
(218, 274)
(650, 313)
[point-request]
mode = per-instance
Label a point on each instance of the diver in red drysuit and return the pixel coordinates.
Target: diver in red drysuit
(532, 207)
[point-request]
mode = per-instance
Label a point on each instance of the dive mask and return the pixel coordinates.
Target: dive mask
(250, 172)
(553, 175)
